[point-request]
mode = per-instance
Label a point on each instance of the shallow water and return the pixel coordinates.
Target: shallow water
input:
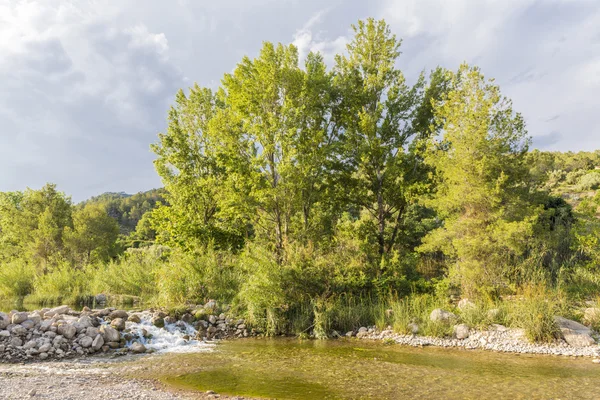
(352, 369)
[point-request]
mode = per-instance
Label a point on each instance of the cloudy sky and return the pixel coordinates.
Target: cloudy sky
(85, 85)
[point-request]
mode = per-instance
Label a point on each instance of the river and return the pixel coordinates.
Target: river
(353, 369)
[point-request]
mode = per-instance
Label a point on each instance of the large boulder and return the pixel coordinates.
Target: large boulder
(109, 334)
(574, 333)
(439, 315)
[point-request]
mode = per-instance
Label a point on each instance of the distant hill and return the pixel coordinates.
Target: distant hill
(126, 208)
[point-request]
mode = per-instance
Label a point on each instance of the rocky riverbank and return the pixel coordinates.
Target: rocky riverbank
(61, 332)
(576, 339)
(79, 379)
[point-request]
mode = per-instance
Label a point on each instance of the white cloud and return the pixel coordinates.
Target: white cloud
(85, 86)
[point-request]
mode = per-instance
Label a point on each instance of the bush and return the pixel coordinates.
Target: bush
(62, 283)
(133, 274)
(16, 279)
(589, 181)
(198, 276)
(534, 311)
(416, 309)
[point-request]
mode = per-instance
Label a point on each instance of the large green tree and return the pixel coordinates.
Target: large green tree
(384, 119)
(481, 194)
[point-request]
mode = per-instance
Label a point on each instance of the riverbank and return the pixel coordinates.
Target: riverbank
(79, 379)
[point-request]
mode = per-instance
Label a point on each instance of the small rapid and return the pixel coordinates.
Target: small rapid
(178, 337)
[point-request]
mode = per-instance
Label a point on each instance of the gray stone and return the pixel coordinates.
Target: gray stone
(67, 330)
(86, 342)
(45, 347)
(439, 315)
(212, 319)
(56, 311)
(92, 332)
(109, 334)
(461, 331)
(19, 317)
(118, 324)
(15, 341)
(137, 347)
(119, 314)
(28, 324)
(4, 333)
(98, 342)
(43, 356)
(30, 345)
(18, 330)
(574, 333)
(85, 322)
(134, 318)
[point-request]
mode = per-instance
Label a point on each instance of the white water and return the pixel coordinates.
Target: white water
(170, 339)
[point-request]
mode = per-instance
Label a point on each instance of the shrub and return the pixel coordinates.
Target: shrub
(198, 276)
(16, 279)
(534, 311)
(62, 283)
(133, 274)
(589, 181)
(416, 309)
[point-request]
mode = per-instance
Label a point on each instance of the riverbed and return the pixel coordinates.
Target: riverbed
(296, 370)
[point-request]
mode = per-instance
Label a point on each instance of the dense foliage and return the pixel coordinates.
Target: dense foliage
(309, 196)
